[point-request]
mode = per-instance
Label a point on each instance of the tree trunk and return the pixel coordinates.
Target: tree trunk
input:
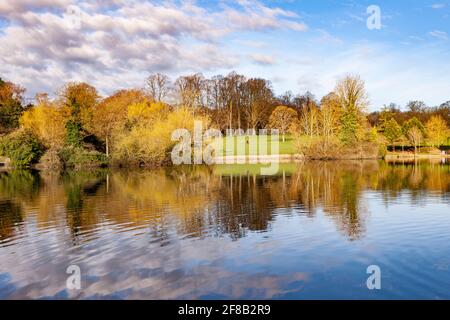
(107, 147)
(239, 119)
(231, 114)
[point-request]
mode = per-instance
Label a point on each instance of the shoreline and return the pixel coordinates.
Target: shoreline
(282, 158)
(258, 159)
(396, 156)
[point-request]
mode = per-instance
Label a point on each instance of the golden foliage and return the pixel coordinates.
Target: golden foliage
(146, 111)
(111, 115)
(148, 143)
(330, 114)
(47, 122)
(79, 99)
(437, 131)
(351, 93)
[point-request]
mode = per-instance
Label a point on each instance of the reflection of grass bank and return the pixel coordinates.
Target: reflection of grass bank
(252, 169)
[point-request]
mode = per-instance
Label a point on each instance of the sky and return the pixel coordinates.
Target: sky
(304, 45)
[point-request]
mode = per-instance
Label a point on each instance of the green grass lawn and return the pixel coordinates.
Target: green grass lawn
(235, 146)
(240, 146)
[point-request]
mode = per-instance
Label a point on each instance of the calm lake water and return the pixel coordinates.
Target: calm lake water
(225, 232)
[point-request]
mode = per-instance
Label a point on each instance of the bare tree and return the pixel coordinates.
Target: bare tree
(352, 93)
(416, 106)
(309, 114)
(190, 91)
(415, 137)
(287, 99)
(282, 119)
(158, 86)
(234, 87)
(309, 121)
(257, 102)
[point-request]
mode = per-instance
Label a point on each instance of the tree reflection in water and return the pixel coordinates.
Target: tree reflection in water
(199, 201)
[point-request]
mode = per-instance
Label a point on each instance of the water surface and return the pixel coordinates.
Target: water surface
(225, 232)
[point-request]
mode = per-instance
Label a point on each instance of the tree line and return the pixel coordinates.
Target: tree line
(80, 128)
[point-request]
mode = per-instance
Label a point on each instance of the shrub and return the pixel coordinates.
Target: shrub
(50, 160)
(430, 150)
(321, 149)
(333, 149)
(150, 144)
(79, 158)
(22, 147)
(142, 146)
(74, 136)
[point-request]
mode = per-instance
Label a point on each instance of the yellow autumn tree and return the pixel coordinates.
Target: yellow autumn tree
(47, 122)
(150, 143)
(146, 111)
(111, 114)
(437, 131)
(329, 116)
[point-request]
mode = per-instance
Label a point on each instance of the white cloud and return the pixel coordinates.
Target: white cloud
(326, 38)
(295, 26)
(106, 40)
(255, 16)
(14, 7)
(438, 5)
(262, 59)
(439, 34)
(252, 43)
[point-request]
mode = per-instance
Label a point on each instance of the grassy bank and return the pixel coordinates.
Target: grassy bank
(249, 145)
(238, 147)
(410, 155)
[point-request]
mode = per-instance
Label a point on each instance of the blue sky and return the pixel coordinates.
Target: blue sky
(298, 45)
(407, 59)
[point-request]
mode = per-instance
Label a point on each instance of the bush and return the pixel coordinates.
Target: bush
(430, 150)
(333, 149)
(142, 146)
(74, 135)
(320, 149)
(50, 160)
(150, 144)
(22, 147)
(79, 158)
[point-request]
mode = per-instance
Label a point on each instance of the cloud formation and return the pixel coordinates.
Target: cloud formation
(438, 5)
(262, 59)
(112, 43)
(439, 34)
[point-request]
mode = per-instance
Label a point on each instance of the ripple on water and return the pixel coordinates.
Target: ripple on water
(155, 235)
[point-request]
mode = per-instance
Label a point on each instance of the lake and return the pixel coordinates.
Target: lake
(225, 232)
